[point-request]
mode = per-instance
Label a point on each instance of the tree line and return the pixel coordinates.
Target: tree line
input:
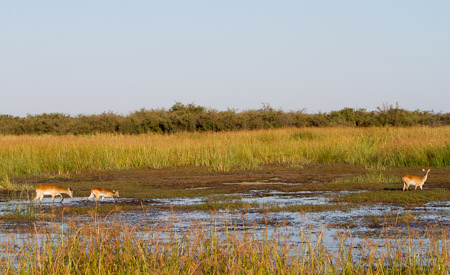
(190, 117)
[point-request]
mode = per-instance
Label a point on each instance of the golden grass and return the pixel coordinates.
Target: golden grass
(225, 151)
(106, 246)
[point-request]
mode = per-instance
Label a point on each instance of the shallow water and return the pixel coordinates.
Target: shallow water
(360, 221)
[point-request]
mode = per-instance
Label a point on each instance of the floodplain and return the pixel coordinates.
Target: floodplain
(291, 200)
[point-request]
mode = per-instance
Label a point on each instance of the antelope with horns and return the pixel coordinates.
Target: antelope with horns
(52, 190)
(414, 180)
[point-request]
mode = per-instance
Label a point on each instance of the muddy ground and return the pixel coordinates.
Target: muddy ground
(310, 188)
(138, 182)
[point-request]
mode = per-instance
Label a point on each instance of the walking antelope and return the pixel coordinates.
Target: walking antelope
(51, 190)
(413, 180)
(98, 192)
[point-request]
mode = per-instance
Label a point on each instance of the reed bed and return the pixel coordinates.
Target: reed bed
(225, 151)
(102, 246)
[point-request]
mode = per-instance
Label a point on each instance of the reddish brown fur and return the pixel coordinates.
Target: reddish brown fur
(414, 180)
(97, 192)
(51, 190)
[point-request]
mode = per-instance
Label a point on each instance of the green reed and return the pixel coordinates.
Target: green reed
(18, 207)
(108, 246)
(225, 151)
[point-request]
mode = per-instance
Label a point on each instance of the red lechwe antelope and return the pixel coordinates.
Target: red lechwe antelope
(413, 180)
(103, 193)
(51, 190)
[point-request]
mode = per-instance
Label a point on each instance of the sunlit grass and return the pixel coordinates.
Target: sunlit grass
(7, 185)
(225, 151)
(108, 246)
(18, 207)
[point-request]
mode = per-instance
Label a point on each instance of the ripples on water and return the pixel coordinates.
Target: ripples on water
(434, 213)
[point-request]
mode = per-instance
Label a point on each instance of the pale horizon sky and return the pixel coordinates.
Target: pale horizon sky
(90, 57)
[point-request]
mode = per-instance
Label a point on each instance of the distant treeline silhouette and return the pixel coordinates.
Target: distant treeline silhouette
(190, 117)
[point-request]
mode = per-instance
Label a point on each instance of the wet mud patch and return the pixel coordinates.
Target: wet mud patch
(364, 220)
(397, 197)
(335, 195)
(142, 182)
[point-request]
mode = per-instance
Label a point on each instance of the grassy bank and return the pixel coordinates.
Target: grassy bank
(101, 247)
(225, 151)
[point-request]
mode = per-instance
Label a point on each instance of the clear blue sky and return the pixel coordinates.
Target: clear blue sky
(86, 57)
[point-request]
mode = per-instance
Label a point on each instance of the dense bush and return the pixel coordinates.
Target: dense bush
(189, 117)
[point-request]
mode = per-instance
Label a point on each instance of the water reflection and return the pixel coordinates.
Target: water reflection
(360, 220)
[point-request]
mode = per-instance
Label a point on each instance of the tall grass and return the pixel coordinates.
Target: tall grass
(102, 247)
(225, 151)
(18, 207)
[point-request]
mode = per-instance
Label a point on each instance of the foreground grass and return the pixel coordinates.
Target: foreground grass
(371, 147)
(105, 246)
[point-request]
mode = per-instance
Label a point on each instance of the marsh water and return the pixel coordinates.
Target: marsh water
(359, 220)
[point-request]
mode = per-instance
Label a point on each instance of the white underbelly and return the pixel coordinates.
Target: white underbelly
(49, 194)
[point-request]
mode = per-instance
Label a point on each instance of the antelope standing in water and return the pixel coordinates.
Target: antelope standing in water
(98, 192)
(414, 180)
(51, 190)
